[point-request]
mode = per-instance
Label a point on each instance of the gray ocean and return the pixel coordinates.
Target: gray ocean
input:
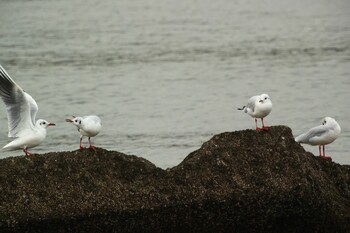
(165, 76)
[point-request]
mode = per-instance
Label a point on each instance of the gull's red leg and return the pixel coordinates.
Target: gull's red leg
(319, 150)
(256, 125)
(266, 128)
(91, 146)
(25, 150)
(324, 153)
(81, 143)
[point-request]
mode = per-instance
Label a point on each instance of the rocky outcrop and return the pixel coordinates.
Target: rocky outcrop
(244, 181)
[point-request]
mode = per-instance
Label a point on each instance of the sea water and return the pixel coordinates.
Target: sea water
(165, 76)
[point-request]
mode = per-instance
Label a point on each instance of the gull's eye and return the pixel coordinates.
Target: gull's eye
(265, 98)
(76, 120)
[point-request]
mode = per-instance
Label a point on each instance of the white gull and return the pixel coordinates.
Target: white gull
(88, 126)
(21, 113)
(258, 106)
(321, 135)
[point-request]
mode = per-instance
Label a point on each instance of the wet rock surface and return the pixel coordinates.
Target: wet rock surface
(242, 181)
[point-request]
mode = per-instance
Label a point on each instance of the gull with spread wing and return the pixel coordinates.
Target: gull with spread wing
(21, 113)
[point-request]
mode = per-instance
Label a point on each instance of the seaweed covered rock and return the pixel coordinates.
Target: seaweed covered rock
(244, 181)
(270, 183)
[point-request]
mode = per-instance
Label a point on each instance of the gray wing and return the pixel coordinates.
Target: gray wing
(33, 106)
(308, 137)
(21, 107)
(251, 103)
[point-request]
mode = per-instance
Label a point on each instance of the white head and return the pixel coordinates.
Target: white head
(264, 98)
(77, 121)
(329, 122)
(43, 124)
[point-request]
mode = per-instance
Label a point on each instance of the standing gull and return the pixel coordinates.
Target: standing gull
(321, 135)
(21, 113)
(258, 106)
(88, 126)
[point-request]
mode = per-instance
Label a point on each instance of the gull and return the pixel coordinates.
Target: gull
(321, 135)
(21, 113)
(88, 126)
(258, 106)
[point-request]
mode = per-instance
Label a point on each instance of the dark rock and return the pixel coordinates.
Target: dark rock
(243, 181)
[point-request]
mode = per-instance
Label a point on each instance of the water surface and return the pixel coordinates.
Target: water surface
(165, 76)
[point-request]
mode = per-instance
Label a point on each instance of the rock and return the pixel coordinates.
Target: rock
(244, 181)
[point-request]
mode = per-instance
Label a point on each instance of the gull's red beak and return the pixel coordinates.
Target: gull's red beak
(51, 124)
